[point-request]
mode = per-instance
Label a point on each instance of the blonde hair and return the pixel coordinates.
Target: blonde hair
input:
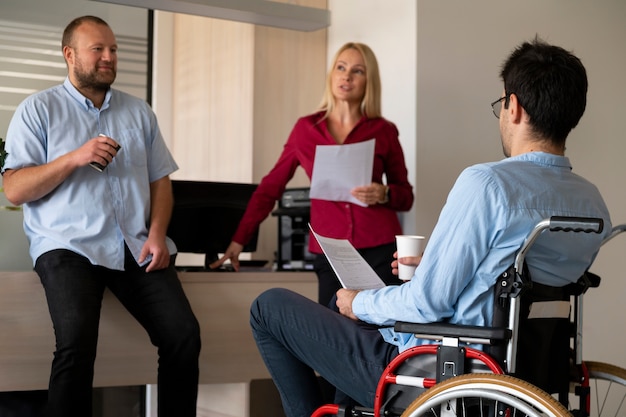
(370, 104)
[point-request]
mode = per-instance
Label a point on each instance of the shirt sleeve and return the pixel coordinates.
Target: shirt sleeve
(270, 188)
(400, 189)
(461, 240)
(161, 160)
(26, 136)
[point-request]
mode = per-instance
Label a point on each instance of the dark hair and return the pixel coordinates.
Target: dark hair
(68, 33)
(550, 84)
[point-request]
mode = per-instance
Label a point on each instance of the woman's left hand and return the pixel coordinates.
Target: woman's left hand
(372, 194)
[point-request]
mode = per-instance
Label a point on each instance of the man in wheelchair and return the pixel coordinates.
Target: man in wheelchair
(488, 214)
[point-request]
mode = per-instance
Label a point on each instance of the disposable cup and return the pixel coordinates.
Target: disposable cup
(408, 245)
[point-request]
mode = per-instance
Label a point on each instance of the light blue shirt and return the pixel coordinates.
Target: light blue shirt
(91, 213)
(489, 212)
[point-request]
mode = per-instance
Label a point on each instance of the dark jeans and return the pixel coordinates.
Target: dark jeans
(297, 336)
(378, 257)
(74, 289)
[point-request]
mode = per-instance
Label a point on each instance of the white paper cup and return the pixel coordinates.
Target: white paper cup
(408, 245)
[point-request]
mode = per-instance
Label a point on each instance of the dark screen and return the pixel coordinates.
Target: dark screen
(206, 215)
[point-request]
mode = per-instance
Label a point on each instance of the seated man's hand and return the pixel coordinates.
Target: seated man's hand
(344, 302)
(406, 260)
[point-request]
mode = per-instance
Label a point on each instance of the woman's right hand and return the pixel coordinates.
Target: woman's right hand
(232, 253)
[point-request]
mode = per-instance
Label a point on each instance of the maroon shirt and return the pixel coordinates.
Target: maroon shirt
(364, 227)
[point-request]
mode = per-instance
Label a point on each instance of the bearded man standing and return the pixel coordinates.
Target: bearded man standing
(91, 169)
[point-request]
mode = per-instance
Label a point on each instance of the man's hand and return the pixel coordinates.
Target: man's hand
(406, 260)
(160, 254)
(344, 302)
(161, 203)
(100, 150)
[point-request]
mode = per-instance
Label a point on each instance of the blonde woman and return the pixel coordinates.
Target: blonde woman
(350, 112)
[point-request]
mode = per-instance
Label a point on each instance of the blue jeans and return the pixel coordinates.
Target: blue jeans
(74, 289)
(297, 336)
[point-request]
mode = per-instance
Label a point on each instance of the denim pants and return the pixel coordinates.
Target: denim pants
(74, 289)
(297, 336)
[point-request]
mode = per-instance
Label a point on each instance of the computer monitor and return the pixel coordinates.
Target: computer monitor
(206, 215)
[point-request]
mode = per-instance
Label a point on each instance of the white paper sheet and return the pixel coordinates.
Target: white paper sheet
(337, 169)
(351, 269)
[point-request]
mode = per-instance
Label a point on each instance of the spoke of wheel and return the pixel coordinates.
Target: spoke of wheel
(517, 395)
(608, 382)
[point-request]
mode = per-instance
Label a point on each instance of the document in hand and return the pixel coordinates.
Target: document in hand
(337, 169)
(351, 269)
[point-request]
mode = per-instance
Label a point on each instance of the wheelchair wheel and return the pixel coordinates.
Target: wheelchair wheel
(485, 395)
(607, 385)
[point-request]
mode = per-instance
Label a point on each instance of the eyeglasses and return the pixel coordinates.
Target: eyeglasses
(496, 106)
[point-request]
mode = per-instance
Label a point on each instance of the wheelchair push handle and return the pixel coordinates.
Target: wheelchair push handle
(558, 224)
(614, 232)
(576, 224)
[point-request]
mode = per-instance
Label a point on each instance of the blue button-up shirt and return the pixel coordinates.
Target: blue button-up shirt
(489, 212)
(91, 213)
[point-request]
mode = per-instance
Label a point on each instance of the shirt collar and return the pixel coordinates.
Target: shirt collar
(81, 99)
(544, 158)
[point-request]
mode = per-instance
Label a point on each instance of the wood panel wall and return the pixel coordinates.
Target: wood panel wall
(237, 90)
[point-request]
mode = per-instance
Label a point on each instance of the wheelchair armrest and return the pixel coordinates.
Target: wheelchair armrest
(465, 333)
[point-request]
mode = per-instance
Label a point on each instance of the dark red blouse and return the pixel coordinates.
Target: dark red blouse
(364, 227)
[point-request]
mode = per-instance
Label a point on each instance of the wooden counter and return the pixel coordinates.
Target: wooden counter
(220, 300)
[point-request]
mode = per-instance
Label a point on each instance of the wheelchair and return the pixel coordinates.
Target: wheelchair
(530, 364)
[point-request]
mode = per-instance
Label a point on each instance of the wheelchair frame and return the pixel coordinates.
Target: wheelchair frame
(452, 354)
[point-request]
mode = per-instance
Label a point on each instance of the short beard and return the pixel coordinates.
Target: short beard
(92, 81)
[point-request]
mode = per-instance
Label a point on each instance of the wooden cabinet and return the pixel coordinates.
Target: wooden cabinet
(221, 301)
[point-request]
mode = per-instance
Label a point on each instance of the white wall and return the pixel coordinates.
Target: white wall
(460, 47)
